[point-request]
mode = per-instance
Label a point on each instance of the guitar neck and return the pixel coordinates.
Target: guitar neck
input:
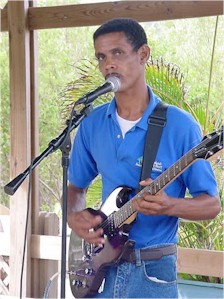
(127, 210)
(169, 174)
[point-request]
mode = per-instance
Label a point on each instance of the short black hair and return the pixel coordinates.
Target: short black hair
(133, 31)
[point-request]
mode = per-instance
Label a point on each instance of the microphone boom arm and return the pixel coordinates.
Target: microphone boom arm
(54, 144)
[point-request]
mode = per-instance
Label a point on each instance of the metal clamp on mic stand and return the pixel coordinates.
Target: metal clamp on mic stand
(63, 142)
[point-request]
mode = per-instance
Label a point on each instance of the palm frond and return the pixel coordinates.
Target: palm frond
(166, 81)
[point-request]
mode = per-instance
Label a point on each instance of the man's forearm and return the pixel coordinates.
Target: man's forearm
(202, 207)
(76, 199)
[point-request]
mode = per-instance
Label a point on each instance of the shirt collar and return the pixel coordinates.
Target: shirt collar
(143, 123)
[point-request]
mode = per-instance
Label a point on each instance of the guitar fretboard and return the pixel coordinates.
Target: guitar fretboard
(158, 184)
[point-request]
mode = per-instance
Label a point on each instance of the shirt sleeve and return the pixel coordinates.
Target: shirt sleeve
(82, 167)
(199, 177)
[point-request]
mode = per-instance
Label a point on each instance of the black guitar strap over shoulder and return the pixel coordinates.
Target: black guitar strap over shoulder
(156, 123)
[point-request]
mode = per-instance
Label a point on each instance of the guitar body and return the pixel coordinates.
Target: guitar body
(88, 263)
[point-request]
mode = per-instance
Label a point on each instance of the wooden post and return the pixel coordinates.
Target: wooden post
(20, 156)
(35, 264)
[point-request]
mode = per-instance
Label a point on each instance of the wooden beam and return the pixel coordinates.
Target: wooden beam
(201, 262)
(46, 247)
(20, 155)
(96, 13)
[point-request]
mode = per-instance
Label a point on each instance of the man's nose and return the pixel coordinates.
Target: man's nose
(110, 63)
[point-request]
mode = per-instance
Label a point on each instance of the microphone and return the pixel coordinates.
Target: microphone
(112, 84)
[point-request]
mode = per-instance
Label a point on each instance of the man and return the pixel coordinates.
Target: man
(110, 141)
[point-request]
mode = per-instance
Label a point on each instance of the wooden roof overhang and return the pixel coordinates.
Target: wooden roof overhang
(96, 13)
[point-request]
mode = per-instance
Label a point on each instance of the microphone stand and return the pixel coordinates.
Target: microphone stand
(63, 142)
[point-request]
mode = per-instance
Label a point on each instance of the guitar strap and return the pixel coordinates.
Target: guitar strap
(156, 123)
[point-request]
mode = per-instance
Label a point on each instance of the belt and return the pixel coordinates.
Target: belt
(150, 253)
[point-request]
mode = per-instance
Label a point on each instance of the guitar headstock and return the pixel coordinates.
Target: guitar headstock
(211, 146)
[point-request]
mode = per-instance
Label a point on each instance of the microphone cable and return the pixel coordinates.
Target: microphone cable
(46, 291)
(26, 226)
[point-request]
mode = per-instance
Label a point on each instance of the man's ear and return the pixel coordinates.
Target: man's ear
(144, 53)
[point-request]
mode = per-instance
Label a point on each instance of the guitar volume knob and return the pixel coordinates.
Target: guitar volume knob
(78, 283)
(89, 271)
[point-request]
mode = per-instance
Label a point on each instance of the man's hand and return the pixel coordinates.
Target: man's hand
(158, 204)
(83, 224)
(201, 207)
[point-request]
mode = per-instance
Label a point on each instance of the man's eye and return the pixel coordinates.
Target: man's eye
(100, 58)
(117, 53)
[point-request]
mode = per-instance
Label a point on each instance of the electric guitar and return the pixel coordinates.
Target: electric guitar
(87, 262)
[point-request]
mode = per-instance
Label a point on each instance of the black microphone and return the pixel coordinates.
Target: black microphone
(112, 84)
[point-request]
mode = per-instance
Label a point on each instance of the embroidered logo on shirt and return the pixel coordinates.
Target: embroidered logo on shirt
(157, 166)
(139, 161)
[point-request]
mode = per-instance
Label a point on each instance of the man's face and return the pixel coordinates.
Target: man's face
(116, 57)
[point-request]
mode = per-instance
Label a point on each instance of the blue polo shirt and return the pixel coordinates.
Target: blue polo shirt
(99, 148)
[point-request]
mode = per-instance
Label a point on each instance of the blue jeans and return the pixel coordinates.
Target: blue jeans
(145, 279)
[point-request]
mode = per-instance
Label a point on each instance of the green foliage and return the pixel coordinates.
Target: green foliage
(94, 193)
(166, 80)
(4, 116)
(59, 50)
(189, 43)
(88, 78)
(202, 234)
